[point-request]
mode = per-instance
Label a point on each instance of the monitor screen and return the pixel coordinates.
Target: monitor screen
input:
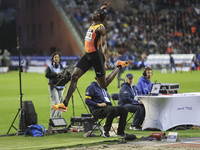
(155, 88)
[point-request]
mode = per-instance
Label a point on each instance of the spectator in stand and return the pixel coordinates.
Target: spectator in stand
(143, 60)
(169, 50)
(133, 28)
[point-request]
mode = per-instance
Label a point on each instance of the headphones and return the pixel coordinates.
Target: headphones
(145, 71)
(55, 53)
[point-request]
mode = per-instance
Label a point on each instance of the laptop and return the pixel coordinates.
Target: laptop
(155, 88)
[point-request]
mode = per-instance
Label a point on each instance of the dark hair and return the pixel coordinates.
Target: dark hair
(145, 71)
(53, 54)
(102, 14)
(53, 63)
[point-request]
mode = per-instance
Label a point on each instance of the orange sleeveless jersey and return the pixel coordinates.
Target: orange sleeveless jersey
(92, 40)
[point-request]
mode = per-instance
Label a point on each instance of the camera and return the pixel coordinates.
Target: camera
(64, 77)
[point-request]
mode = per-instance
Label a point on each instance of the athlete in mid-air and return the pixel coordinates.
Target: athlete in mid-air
(96, 56)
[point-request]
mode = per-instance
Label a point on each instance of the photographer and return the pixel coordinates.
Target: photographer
(53, 74)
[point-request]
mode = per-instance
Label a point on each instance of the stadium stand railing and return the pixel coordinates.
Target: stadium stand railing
(70, 24)
(182, 61)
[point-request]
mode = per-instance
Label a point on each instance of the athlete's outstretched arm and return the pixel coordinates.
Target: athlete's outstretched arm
(105, 52)
(102, 31)
(105, 5)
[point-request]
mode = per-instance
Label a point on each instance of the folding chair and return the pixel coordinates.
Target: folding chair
(132, 116)
(98, 124)
(115, 97)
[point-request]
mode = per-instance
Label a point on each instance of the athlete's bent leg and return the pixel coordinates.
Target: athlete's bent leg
(105, 81)
(74, 79)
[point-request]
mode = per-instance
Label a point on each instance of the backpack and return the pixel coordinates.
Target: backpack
(36, 130)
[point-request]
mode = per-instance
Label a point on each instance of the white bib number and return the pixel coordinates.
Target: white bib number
(88, 36)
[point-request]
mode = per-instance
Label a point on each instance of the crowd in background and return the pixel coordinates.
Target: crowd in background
(150, 27)
(141, 27)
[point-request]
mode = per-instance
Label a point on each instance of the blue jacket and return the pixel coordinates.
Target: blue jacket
(127, 94)
(95, 94)
(144, 86)
(172, 60)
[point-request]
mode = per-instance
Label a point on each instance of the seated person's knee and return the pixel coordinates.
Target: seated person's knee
(125, 110)
(113, 110)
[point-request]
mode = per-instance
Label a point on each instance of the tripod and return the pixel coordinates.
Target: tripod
(20, 126)
(72, 97)
(82, 101)
(73, 106)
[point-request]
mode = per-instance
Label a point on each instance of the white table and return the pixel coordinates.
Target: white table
(166, 111)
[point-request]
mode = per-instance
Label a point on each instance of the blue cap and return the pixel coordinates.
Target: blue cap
(129, 75)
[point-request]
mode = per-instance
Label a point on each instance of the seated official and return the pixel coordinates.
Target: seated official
(98, 101)
(144, 83)
(127, 99)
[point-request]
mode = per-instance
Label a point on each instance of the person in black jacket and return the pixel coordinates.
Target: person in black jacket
(172, 63)
(98, 101)
(127, 99)
(56, 92)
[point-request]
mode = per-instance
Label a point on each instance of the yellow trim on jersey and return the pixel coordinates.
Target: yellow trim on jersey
(88, 97)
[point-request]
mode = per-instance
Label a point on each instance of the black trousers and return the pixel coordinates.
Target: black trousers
(139, 111)
(95, 59)
(110, 112)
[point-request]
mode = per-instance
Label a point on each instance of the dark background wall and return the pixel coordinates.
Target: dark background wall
(42, 30)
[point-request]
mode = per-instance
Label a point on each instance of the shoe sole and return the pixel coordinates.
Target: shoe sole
(62, 109)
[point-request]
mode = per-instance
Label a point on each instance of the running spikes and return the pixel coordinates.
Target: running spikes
(60, 107)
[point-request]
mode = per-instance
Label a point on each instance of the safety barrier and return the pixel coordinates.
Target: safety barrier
(182, 61)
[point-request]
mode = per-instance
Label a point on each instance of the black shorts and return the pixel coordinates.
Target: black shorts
(95, 59)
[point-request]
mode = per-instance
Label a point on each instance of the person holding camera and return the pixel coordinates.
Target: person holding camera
(144, 83)
(53, 74)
